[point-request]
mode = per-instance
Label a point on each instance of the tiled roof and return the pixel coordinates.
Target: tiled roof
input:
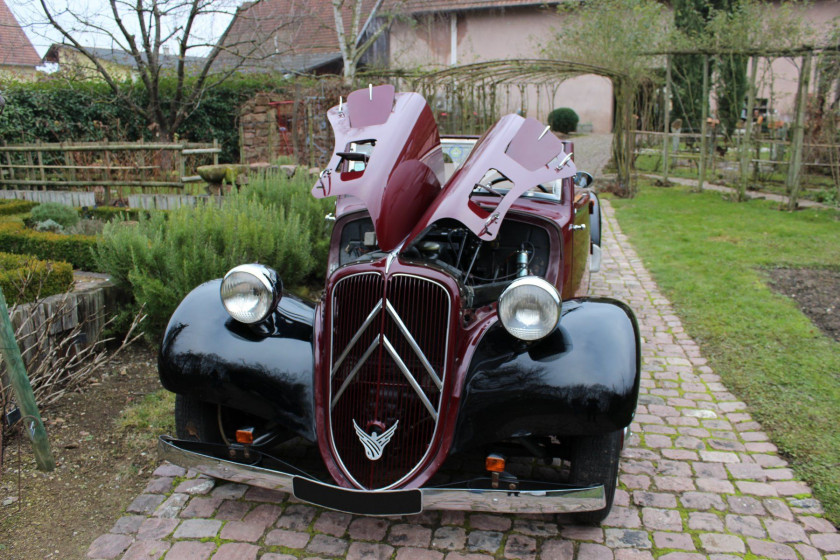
(118, 56)
(276, 33)
(15, 47)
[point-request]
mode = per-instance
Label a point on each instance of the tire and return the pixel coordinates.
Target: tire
(196, 420)
(595, 461)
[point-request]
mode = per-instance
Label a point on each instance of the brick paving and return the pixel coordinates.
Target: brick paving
(699, 479)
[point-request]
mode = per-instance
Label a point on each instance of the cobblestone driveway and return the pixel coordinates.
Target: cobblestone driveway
(698, 480)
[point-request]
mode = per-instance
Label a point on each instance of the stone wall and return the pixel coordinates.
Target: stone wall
(259, 137)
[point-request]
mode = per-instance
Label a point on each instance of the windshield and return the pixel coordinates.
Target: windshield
(494, 182)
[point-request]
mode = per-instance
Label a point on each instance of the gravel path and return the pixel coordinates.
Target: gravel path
(593, 152)
(699, 479)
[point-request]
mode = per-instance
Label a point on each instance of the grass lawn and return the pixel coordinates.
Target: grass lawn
(710, 257)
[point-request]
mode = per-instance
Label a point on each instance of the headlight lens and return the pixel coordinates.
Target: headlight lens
(529, 308)
(249, 292)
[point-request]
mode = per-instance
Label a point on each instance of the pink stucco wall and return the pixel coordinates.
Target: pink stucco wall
(516, 33)
(778, 81)
(520, 33)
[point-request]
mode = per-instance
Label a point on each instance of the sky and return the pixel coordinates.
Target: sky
(71, 14)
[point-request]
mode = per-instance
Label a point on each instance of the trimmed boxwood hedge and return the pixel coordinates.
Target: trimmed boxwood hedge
(45, 278)
(14, 206)
(75, 249)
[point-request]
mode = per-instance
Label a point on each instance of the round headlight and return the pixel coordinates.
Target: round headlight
(529, 308)
(249, 292)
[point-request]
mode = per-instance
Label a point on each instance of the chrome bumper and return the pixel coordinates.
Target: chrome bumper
(538, 498)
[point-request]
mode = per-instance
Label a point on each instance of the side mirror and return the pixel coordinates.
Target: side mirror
(583, 179)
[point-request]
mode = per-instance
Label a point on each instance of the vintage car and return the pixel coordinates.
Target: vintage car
(454, 360)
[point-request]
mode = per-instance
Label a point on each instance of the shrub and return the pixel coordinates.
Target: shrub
(108, 213)
(13, 206)
(24, 278)
(164, 256)
(49, 225)
(86, 227)
(60, 213)
(75, 249)
(275, 188)
(563, 120)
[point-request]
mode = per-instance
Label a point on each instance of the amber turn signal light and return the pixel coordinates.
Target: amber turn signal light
(495, 463)
(245, 436)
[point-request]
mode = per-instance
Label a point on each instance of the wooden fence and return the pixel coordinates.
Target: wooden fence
(766, 153)
(103, 165)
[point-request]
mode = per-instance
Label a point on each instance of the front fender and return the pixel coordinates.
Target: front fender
(582, 379)
(265, 370)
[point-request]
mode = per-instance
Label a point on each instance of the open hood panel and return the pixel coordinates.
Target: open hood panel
(518, 148)
(387, 153)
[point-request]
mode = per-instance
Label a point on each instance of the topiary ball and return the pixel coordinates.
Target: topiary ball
(563, 120)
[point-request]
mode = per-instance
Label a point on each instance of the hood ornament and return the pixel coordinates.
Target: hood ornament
(375, 444)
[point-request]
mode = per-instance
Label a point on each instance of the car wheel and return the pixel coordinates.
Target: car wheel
(595, 461)
(196, 420)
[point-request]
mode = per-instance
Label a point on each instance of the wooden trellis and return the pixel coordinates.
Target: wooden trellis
(467, 99)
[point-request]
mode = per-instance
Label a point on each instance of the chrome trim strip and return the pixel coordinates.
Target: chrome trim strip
(413, 343)
(356, 337)
(411, 381)
(551, 500)
(355, 370)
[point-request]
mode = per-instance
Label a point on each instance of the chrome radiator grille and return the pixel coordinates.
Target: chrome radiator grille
(388, 361)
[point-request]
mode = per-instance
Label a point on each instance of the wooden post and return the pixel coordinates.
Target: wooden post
(703, 125)
(794, 178)
(215, 153)
(41, 168)
(745, 141)
(23, 391)
(667, 118)
(30, 165)
(68, 161)
(182, 164)
(9, 162)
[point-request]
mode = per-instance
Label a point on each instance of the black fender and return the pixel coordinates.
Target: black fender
(582, 379)
(265, 370)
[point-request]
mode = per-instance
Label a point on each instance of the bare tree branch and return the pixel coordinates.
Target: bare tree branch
(143, 29)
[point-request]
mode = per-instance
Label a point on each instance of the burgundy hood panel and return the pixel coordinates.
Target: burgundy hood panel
(405, 169)
(401, 182)
(518, 148)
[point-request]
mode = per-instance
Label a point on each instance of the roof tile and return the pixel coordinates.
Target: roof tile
(15, 47)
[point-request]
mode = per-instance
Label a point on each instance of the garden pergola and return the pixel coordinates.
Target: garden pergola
(474, 91)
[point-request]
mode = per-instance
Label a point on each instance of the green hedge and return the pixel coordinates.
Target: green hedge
(24, 278)
(87, 111)
(13, 206)
(75, 249)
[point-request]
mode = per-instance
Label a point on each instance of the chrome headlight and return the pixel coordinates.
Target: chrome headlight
(250, 291)
(529, 308)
